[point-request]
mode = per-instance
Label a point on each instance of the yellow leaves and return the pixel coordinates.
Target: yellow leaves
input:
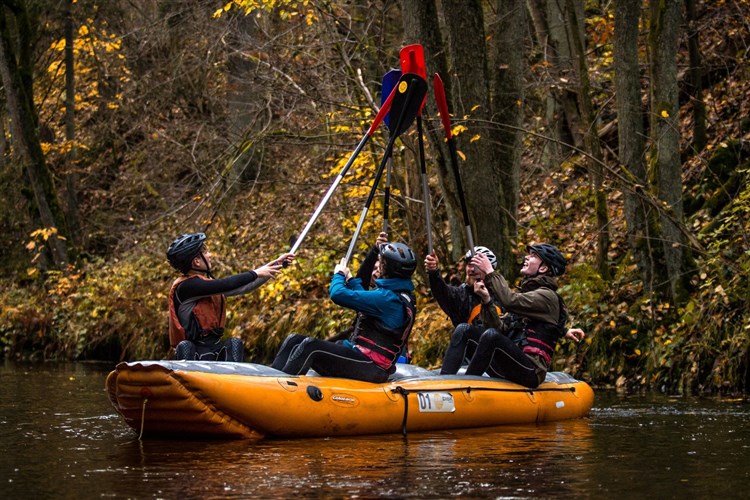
(220, 11)
(458, 129)
(341, 128)
(461, 155)
(475, 138)
(45, 233)
(664, 113)
(286, 9)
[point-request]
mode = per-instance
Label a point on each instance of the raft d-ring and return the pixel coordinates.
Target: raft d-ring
(468, 394)
(532, 396)
(314, 393)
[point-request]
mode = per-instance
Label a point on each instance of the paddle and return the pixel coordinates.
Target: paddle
(412, 61)
(390, 79)
(378, 118)
(442, 105)
(410, 93)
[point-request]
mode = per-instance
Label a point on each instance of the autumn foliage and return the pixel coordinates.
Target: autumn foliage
(235, 119)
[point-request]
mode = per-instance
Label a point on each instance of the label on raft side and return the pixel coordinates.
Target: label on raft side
(436, 402)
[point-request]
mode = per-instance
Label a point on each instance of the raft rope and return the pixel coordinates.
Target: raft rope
(143, 418)
(405, 394)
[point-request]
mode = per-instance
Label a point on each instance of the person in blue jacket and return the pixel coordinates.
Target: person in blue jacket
(383, 326)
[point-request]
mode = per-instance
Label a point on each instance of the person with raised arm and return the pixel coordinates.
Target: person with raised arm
(384, 322)
(197, 309)
(520, 347)
(469, 306)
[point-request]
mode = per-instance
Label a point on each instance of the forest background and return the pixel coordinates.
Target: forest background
(617, 130)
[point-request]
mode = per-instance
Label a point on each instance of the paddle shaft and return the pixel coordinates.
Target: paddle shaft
(378, 175)
(378, 118)
(387, 195)
(425, 186)
(442, 104)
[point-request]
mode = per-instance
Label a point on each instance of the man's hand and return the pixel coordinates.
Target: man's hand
(431, 262)
(481, 290)
(285, 259)
(575, 334)
(382, 240)
(482, 265)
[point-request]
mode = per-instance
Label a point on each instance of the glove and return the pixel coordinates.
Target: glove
(341, 268)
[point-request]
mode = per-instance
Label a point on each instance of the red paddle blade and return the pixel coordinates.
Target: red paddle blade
(412, 61)
(384, 110)
(442, 104)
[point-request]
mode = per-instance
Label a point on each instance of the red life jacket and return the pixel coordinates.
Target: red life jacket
(209, 314)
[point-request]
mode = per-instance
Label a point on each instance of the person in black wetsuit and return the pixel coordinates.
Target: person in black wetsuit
(197, 310)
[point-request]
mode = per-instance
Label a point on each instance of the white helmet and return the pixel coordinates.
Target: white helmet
(490, 256)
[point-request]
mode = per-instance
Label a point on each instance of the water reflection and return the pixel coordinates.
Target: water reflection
(61, 439)
(469, 462)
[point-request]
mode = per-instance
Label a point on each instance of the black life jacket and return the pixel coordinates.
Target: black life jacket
(537, 337)
(373, 334)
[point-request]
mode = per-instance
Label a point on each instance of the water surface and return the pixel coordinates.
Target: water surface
(61, 439)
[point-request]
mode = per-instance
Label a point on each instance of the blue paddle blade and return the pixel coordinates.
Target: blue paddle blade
(390, 80)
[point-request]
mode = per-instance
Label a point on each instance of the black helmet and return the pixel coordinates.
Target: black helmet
(184, 249)
(400, 261)
(490, 255)
(551, 256)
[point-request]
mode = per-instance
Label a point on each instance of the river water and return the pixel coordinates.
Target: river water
(60, 438)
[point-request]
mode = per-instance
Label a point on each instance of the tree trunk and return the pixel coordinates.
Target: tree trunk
(591, 141)
(665, 134)
(470, 101)
(16, 71)
(508, 95)
(555, 43)
(71, 183)
(631, 143)
(695, 85)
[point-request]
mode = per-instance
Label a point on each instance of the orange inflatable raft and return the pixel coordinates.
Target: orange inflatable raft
(245, 400)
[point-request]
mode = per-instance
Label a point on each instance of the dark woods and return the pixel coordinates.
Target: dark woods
(615, 130)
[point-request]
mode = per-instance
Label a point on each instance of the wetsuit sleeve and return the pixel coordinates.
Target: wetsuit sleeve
(231, 285)
(489, 316)
(451, 299)
(365, 270)
(540, 304)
